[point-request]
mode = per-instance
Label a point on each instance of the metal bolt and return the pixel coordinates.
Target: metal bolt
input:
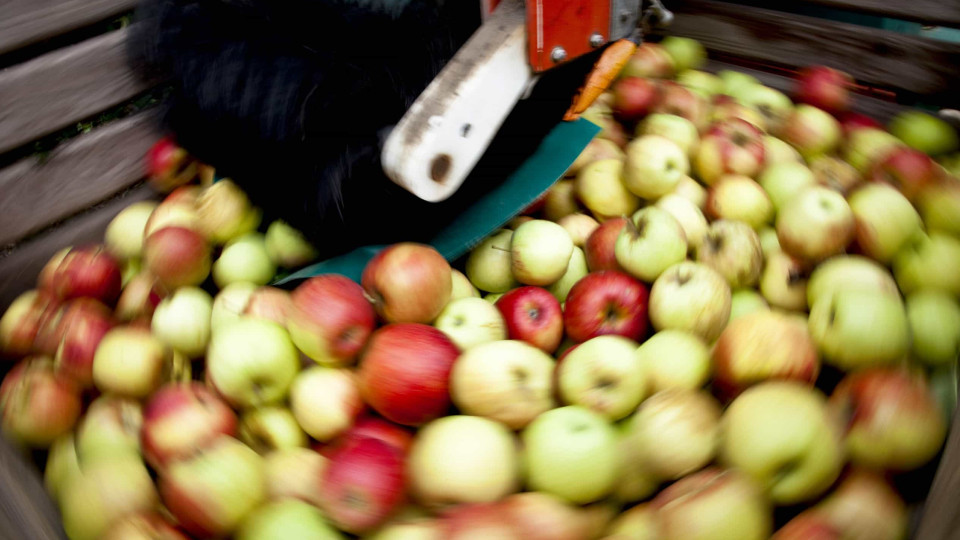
(596, 39)
(558, 54)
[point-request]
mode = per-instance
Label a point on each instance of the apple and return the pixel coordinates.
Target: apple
(773, 105)
(677, 129)
(600, 247)
(331, 319)
(934, 318)
(173, 213)
(561, 198)
(939, 206)
(408, 282)
(762, 346)
(679, 100)
(576, 270)
(846, 272)
(177, 256)
(270, 428)
(906, 169)
(865, 505)
(294, 473)
(852, 121)
(725, 107)
(23, 319)
(111, 427)
(405, 371)
(601, 187)
(825, 88)
(271, 304)
(635, 481)
(287, 247)
(885, 221)
(777, 151)
(688, 215)
(604, 375)
(169, 165)
(579, 226)
(650, 60)
(649, 243)
(769, 242)
(461, 286)
(815, 224)
(413, 529)
(123, 237)
(82, 331)
(704, 83)
(690, 296)
(781, 434)
(713, 503)
(147, 525)
(834, 173)
(539, 516)
(475, 521)
(601, 114)
(572, 453)
(924, 132)
(287, 519)
(737, 197)
(325, 401)
(654, 166)
(639, 523)
(88, 272)
(808, 525)
(470, 322)
(60, 318)
(686, 53)
(223, 211)
(860, 328)
(812, 131)
(230, 304)
(746, 301)
(244, 258)
(489, 266)
(633, 97)
(103, 493)
(251, 363)
(493, 297)
(606, 303)
(783, 282)
(182, 321)
(690, 189)
(735, 81)
(921, 263)
(674, 359)
(533, 315)
(675, 432)
(180, 419)
(733, 146)
(62, 464)
(139, 298)
(212, 492)
(540, 251)
(865, 146)
(732, 248)
(37, 405)
(891, 419)
(463, 459)
(131, 362)
(783, 181)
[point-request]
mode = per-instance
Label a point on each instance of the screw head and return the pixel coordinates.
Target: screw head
(558, 54)
(596, 39)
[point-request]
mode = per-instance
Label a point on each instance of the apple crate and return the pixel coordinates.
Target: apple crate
(76, 122)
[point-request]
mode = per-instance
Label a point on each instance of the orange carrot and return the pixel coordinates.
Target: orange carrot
(606, 68)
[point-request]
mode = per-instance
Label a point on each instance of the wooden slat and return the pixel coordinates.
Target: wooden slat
(76, 175)
(940, 519)
(20, 266)
(931, 12)
(879, 57)
(23, 22)
(26, 510)
(62, 87)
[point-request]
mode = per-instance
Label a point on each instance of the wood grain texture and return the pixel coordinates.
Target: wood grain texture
(20, 266)
(65, 86)
(23, 22)
(879, 57)
(76, 175)
(26, 510)
(940, 519)
(931, 12)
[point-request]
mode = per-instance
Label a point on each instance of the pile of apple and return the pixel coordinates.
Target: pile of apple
(732, 304)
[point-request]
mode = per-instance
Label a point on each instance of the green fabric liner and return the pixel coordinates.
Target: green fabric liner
(552, 158)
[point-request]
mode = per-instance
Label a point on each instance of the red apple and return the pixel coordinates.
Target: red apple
(373, 427)
(181, 419)
(608, 302)
(169, 166)
(852, 121)
(533, 315)
(270, 303)
(140, 298)
(22, 322)
(908, 170)
(824, 88)
(539, 516)
(633, 97)
(865, 505)
(733, 146)
(679, 100)
(177, 256)
(479, 520)
(56, 321)
(408, 282)
(143, 526)
(649, 60)
(405, 372)
(89, 272)
(36, 404)
(599, 247)
(331, 319)
(363, 484)
(808, 525)
(82, 334)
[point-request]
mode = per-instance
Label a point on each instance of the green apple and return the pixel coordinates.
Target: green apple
(780, 433)
(271, 428)
(651, 241)
(636, 482)
(784, 282)
(735, 82)
(463, 459)
(866, 146)
(325, 401)
(492, 297)
(560, 199)
(676, 128)
(782, 181)
(939, 206)
(286, 519)
(815, 224)
(103, 492)
(131, 362)
(707, 84)
(773, 104)
(469, 322)
(676, 432)
(924, 263)
(244, 258)
(603, 374)
(576, 269)
(601, 188)
(732, 248)
(688, 215)
(934, 318)
(769, 242)
(540, 252)
(778, 151)
(686, 53)
(637, 523)
(834, 173)
(230, 303)
(674, 359)
(63, 463)
(182, 321)
(926, 133)
(886, 220)
(462, 288)
(571, 452)
(738, 197)
(654, 166)
(860, 328)
(746, 301)
(223, 212)
(690, 189)
(293, 472)
(287, 247)
(690, 296)
(509, 381)
(489, 267)
(110, 427)
(124, 235)
(848, 272)
(252, 362)
(579, 225)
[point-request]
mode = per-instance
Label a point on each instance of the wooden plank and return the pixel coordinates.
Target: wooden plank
(65, 86)
(74, 176)
(20, 266)
(940, 519)
(23, 22)
(26, 511)
(930, 12)
(879, 57)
